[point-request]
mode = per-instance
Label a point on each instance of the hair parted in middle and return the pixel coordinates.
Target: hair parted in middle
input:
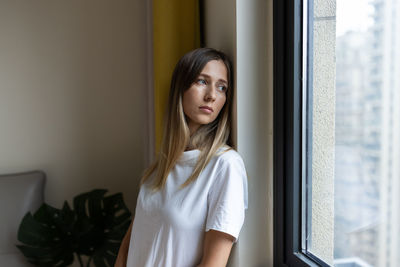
(176, 136)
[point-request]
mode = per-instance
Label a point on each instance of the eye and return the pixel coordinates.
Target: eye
(222, 88)
(201, 81)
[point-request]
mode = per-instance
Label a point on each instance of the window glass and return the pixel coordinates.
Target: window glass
(352, 132)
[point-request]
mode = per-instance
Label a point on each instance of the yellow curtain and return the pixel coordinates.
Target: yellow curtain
(176, 30)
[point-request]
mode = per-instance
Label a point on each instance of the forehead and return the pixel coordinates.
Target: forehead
(215, 69)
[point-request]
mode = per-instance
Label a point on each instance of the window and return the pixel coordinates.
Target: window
(336, 133)
(290, 237)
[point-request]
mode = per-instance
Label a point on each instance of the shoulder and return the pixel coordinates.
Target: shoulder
(227, 162)
(230, 176)
(227, 156)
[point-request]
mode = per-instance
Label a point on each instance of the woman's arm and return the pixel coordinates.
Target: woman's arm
(123, 249)
(217, 247)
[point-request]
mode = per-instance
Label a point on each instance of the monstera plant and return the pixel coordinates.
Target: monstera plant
(94, 228)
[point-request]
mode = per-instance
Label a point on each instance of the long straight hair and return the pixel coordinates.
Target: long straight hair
(176, 136)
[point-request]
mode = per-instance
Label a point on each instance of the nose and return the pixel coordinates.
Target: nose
(210, 93)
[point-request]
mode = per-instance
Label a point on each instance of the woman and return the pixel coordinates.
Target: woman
(191, 203)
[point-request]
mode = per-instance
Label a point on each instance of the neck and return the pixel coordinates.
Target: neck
(193, 129)
(189, 146)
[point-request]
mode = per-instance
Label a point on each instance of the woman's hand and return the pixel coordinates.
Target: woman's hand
(217, 247)
(123, 249)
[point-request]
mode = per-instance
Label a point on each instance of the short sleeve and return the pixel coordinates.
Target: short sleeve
(227, 198)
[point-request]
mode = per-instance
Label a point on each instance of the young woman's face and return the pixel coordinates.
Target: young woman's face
(205, 98)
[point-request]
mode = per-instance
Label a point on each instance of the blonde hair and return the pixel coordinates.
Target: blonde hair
(176, 136)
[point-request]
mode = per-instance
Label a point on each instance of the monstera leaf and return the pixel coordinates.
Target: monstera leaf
(94, 228)
(47, 236)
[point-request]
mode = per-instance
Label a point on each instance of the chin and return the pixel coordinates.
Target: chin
(204, 121)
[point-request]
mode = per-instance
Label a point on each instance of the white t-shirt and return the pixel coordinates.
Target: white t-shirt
(170, 224)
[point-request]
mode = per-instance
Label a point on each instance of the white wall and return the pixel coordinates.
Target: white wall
(243, 28)
(73, 85)
(323, 131)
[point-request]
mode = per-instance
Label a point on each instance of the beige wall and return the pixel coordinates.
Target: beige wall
(255, 126)
(243, 28)
(73, 94)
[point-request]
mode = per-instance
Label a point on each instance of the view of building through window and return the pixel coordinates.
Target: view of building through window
(367, 134)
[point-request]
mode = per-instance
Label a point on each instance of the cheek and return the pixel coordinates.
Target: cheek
(187, 101)
(222, 102)
(186, 108)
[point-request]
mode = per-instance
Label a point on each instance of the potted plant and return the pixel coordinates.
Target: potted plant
(94, 228)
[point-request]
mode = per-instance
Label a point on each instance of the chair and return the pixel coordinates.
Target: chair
(19, 193)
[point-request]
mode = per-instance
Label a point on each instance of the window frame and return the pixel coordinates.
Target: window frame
(292, 159)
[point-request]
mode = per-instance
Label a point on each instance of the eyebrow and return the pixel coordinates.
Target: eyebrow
(208, 76)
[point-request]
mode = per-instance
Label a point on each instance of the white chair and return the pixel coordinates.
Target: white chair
(19, 193)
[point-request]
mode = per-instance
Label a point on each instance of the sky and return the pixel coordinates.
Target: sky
(347, 19)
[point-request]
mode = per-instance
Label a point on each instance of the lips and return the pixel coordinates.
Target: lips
(206, 108)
